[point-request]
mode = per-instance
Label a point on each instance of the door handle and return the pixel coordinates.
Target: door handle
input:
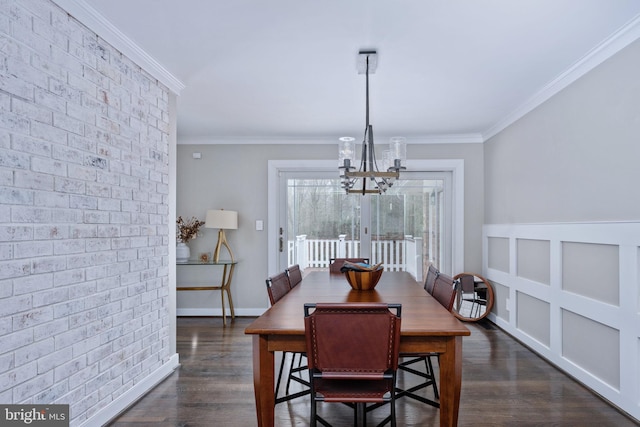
(281, 244)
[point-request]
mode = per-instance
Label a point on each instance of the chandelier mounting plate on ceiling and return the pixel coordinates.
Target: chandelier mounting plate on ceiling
(362, 61)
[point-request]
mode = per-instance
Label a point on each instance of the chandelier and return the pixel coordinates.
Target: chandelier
(368, 172)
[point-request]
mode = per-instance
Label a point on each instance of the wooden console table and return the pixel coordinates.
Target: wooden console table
(225, 284)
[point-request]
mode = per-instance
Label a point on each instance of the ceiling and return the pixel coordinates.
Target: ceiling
(286, 70)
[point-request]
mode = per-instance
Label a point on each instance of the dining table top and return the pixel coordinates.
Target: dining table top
(421, 313)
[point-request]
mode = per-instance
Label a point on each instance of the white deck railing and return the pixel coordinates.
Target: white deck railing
(396, 255)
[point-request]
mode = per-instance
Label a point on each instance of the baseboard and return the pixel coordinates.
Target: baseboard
(111, 411)
(243, 312)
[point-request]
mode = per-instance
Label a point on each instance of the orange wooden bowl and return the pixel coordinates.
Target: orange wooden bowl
(363, 280)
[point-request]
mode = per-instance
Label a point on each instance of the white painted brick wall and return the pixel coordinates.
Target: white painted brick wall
(83, 214)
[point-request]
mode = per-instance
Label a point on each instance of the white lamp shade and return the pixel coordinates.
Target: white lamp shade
(227, 220)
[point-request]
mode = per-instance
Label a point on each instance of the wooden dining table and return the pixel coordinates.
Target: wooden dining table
(426, 327)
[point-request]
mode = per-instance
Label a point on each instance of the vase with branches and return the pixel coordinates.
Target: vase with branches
(187, 229)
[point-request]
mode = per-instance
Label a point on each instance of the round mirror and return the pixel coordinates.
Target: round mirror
(474, 297)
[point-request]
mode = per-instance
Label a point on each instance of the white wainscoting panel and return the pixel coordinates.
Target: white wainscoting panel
(609, 328)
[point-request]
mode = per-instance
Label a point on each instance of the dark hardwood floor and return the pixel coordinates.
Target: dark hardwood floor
(503, 384)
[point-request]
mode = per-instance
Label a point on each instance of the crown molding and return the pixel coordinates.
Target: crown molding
(97, 23)
(471, 138)
(257, 140)
(596, 56)
(453, 138)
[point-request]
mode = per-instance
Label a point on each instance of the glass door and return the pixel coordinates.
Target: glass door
(322, 222)
(406, 228)
(409, 226)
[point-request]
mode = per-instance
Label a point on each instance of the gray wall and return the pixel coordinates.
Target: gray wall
(561, 232)
(574, 158)
(235, 177)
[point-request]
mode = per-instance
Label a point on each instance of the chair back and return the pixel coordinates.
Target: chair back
(277, 287)
(295, 275)
(432, 273)
(444, 291)
(352, 340)
(335, 264)
(467, 283)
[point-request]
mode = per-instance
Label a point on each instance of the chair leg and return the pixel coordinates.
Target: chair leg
(429, 380)
(393, 411)
(284, 356)
(361, 414)
(433, 376)
(313, 421)
(299, 369)
(473, 307)
(299, 379)
(315, 418)
(291, 366)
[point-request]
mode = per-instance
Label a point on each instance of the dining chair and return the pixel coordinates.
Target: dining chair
(295, 275)
(277, 287)
(335, 264)
(353, 355)
(444, 292)
(467, 293)
(432, 273)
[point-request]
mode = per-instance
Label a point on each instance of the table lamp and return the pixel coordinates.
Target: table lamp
(223, 220)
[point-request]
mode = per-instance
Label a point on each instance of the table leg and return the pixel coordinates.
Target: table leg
(233, 314)
(224, 310)
(263, 381)
(225, 286)
(450, 382)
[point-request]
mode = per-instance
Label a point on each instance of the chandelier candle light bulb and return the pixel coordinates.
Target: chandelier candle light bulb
(398, 147)
(346, 152)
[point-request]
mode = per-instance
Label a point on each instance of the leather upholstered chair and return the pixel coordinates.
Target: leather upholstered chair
(432, 273)
(295, 275)
(277, 287)
(444, 292)
(467, 292)
(352, 355)
(335, 264)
